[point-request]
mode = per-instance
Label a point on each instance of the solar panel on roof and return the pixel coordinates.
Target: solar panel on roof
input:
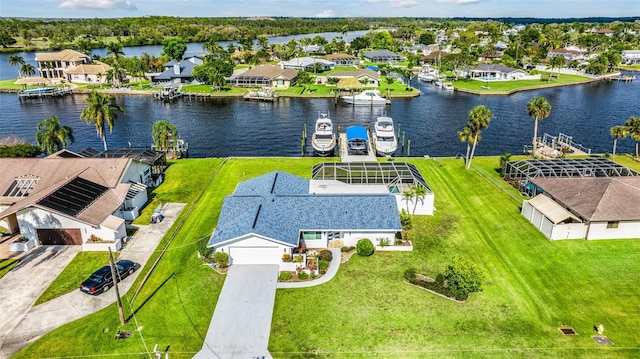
(73, 197)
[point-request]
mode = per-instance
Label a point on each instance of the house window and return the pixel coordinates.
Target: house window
(310, 235)
(612, 224)
(21, 187)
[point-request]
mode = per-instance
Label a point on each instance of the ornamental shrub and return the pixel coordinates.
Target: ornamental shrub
(325, 255)
(410, 274)
(364, 247)
(285, 276)
(303, 275)
(286, 257)
(297, 259)
(323, 265)
(221, 259)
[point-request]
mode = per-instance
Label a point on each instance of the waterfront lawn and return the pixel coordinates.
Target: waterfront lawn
(6, 265)
(209, 89)
(80, 268)
(628, 161)
(10, 84)
(507, 86)
(533, 286)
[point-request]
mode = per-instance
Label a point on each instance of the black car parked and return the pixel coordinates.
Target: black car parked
(101, 280)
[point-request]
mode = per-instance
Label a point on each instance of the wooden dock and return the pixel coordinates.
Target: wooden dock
(345, 156)
(260, 95)
(625, 78)
(45, 92)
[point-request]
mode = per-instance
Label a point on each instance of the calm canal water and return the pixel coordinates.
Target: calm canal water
(234, 127)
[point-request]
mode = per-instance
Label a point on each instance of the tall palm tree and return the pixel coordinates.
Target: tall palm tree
(479, 118)
(52, 137)
(618, 132)
(419, 193)
(101, 112)
(28, 69)
(162, 133)
(17, 61)
(407, 196)
(633, 126)
(539, 109)
(466, 136)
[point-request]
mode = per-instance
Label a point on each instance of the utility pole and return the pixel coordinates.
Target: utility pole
(115, 286)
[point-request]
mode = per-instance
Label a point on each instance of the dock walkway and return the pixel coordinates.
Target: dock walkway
(346, 157)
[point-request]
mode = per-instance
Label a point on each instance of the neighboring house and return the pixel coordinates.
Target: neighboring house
(499, 72)
(631, 57)
(52, 65)
(278, 213)
(69, 200)
(383, 56)
(88, 73)
(606, 32)
(371, 77)
(586, 208)
(490, 57)
(306, 64)
(149, 165)
(265, 76)
(178, 72)
(569, 55)
(342, 59)
(417, 49)
(435, 56)
(313, 48)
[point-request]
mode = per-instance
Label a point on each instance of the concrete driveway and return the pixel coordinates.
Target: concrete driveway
(22, 286)
(241, 322)
(34, 322)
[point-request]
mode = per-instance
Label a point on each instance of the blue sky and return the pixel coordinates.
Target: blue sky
(322, 8)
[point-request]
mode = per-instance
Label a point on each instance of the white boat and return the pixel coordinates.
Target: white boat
(384, 136)
(365, 98)
(427, 73)
(323, 139)
(448, 86)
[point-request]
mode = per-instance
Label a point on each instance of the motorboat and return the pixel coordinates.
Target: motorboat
(384, 136)
(448, 86)
(323, 139)
(365, 98)
(427, 73)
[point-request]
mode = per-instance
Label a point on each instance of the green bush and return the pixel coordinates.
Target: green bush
(302, 275)
(297, 259)
(286, 257)
(323, 265)
(285, 276)
(410, 274)
(221, 259)
(364, 247)
(325, 255)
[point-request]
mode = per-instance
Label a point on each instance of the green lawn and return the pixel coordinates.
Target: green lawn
(77, 271)
(6, 265)
(507, 86)
(533, 285)
(10, 84)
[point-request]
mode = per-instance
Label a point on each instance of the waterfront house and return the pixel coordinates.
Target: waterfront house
(369, 77)
(307, 64)
(67, 199)
(631, 57)
(52, 65)
(488, 72)
(95, 72)
(178, 72)
(383, 55)
(342, 59)
(435, 56)
(265, 76)
(568, 54)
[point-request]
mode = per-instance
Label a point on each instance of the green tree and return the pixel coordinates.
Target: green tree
(101, 112)
(28, 70)
(466, 135)
(479, 118)
(419, 193)
(538, 109)
(17, 61)
(407, 196)
(174, 48)
(556, 62)
(633, 126)
(162, 133)
(52, 137)
(427, 38)
(463, 277)
(304, 79)
(618, 132)
(20, 150)
(6, 39)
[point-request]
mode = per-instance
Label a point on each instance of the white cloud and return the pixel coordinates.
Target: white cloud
(460, 2)
(372, 1)
(325, 13)
(403, 3)
(98, 4)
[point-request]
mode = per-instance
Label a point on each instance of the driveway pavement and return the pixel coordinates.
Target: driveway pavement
(241, 322)
(30, 323)
(22, 286)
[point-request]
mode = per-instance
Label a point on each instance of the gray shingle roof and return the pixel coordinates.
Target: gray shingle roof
(281, 216)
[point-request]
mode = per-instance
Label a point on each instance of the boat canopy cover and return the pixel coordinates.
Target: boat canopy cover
(357, 133)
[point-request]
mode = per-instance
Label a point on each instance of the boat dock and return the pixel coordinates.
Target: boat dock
(625, 78)
(41, 92)
(260, 95)
(167, 94)
(557, 146)
(345, 156)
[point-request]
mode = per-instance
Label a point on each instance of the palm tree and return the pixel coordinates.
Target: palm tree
(465, 136)
(17, 61)
(52, 137)
(101, 112)
(539, 109)
(618, 132)
(419, 193)
(633, 126)
(479, 118)
(407, 196)
(28, 69)
(162, 133)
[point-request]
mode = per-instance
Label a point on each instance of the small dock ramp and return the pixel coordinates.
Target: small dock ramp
(355, 145)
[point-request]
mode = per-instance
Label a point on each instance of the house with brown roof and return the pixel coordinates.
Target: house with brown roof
(68, 199)
(585, 207)
(88, 73)
(265, 76)
(342, 59)
(369, 77)
(52, 65)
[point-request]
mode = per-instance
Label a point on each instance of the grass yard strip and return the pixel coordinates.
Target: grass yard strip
(6, 265)
(533, 285)
(509, 86)
(80, 268)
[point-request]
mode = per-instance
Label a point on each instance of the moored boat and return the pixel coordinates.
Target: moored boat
(323, 139)
(384, 136)
(427, 73)
(365, 98)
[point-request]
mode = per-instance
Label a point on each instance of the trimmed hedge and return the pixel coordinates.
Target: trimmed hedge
(439, 286)
(325, 255)
(285, 276)
(221, 259)
(364, 247)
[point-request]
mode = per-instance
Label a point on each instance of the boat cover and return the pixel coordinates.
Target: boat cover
(357, 133)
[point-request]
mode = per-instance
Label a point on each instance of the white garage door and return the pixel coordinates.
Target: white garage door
(256, 255)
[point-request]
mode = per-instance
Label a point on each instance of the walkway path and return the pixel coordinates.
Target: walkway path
(57, 312)
(331, 272)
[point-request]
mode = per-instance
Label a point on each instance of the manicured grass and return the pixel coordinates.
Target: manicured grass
(533, 285)
(6, 265)
(209, 89)
(506, 86)
(10, 84)
(80, 268)
(628, 161)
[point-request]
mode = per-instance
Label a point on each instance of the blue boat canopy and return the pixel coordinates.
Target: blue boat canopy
(357, 133)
